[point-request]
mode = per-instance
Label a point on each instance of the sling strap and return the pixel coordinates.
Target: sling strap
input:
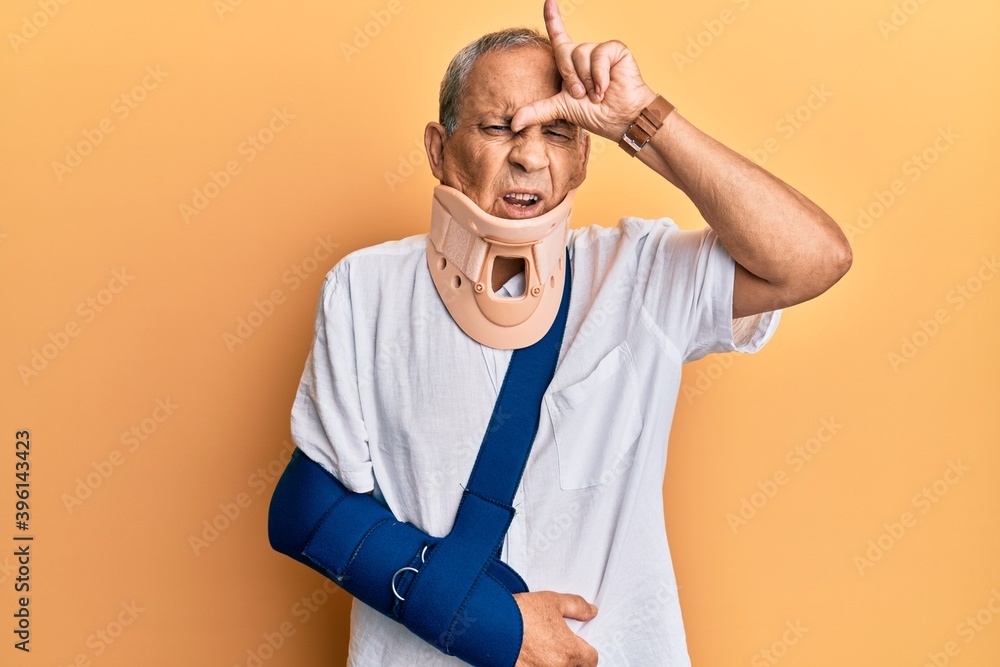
(454, 592)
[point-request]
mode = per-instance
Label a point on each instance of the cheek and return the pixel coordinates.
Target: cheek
(460, 168)
(566, 167)
(485, 165)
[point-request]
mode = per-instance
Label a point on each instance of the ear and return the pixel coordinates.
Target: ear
(434, 138)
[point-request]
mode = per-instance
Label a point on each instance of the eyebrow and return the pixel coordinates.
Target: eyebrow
(489, 118)
(493, 118)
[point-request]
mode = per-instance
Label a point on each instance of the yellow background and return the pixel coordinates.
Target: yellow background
(344, 168)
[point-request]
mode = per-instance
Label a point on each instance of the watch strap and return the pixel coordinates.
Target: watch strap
(645, 125)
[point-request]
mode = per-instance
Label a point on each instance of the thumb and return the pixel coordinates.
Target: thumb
(540, 112)
(575, 607)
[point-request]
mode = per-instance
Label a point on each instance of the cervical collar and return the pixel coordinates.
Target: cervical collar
(464, 241)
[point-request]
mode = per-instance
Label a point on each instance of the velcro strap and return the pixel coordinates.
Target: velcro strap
(465, 250)
(441, 589)
(542, 267)
(344, 528)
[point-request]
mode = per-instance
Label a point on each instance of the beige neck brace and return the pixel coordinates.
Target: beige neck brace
(463, 243)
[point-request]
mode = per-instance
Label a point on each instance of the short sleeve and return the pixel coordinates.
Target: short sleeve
(686, 281)
(327, 422)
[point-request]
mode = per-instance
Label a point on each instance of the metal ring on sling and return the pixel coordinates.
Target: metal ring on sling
(423, 553)
(398, 572)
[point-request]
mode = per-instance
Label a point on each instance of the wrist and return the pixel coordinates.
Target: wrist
(647, 123)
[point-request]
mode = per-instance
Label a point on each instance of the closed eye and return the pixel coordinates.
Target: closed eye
(561, 130)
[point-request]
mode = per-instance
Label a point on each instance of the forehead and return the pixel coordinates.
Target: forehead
(504, 81)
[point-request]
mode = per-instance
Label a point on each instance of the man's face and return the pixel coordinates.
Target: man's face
(511, 175)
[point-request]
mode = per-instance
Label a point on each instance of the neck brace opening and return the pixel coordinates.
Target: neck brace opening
(463, 249)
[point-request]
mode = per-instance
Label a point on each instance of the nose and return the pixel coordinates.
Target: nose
(529, 150)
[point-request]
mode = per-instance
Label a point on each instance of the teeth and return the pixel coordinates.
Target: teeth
(524, 197)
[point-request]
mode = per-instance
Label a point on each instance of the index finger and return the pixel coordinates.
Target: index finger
(554, 24)
(562, 49)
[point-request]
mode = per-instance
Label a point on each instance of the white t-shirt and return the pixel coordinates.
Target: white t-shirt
(395, 399)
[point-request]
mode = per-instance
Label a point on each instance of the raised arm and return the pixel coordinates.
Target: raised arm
(786, 248)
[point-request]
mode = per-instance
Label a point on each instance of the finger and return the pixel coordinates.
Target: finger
(540, 112)
(562, 48)
(575, 607)
(581, 63)
(602, 59)
(554, 24)
(568, 72)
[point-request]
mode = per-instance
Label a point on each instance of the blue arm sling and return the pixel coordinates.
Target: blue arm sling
(453, 592)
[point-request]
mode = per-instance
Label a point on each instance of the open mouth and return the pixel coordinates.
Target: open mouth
(522, 199)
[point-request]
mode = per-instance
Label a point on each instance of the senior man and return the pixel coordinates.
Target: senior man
(415, 340)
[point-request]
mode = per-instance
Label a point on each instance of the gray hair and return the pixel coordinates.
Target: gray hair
(456, 78)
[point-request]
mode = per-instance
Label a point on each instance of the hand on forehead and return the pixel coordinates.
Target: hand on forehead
(601, 89)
